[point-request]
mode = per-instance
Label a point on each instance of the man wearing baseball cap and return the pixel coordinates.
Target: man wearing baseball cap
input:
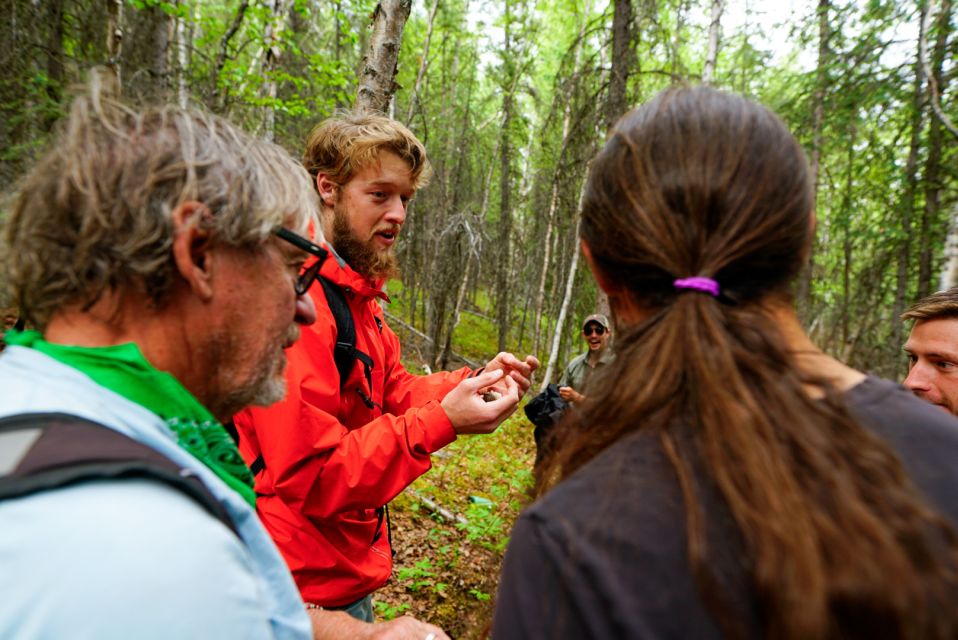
(596, 331)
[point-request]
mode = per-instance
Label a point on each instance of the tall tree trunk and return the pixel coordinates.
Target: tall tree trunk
(54, 18)
(935, 89)
(563, 313)
(546, 259)
(566, 298)
(715, 28)
(273, 52)
(219, 88)
(337, 26)
(473, 251)
(623, 62)
(678, 72)
(932, 173)
(846, 221)
(114, 39)
(414, 98)
(818, 123)
(474, 239)
(503, 250)
(184, 38)
(907, 204)
(949, 273)
(553, 203)
(377, 82)
(623, 57)
(160, 58)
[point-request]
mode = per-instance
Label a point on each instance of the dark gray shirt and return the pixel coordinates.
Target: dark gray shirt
(584, 562)
(579, 370)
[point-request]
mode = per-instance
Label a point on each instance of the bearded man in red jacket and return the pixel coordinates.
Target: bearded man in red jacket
(333, 453)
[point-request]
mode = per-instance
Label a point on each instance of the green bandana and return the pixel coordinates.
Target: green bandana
(123, 370)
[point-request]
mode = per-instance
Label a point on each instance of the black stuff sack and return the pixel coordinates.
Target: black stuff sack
(546, 408)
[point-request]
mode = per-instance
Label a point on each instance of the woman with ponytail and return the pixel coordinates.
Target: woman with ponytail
(725, 477)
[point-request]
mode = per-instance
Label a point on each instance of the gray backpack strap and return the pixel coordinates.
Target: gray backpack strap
(46, 451)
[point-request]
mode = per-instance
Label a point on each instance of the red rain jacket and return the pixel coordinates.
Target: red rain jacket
(330, 460)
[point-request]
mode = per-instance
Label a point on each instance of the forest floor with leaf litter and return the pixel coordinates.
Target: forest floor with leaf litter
(446, 569)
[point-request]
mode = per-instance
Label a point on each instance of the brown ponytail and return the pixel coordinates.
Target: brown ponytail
(839, 543)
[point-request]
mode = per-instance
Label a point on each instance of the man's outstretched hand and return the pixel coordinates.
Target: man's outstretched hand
(470, 412)
(338, 625)
(518, 370)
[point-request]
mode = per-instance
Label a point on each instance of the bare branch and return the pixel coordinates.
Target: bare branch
(932, 82)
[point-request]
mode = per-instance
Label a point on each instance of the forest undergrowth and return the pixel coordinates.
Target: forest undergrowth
(450, 528)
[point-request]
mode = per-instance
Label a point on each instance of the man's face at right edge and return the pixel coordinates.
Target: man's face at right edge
(932, 350)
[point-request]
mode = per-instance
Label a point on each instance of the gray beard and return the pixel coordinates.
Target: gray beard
(266, 387)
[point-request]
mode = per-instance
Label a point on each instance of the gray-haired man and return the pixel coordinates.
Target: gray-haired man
(156, 254)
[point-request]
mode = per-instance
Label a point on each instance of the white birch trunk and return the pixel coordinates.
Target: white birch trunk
(377, 80)
(183, 37)
(554, 198)
(550, 223)
(560, 323)
(715, 28)
(566, 299)
(273, 51)
(949, 273)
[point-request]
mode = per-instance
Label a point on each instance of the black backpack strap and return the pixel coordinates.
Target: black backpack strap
(45, 451)
(345, 350)
(258, 464)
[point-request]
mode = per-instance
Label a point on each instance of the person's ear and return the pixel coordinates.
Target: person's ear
(327, 190)
(192, 247)
(603, 281)
(624, 307)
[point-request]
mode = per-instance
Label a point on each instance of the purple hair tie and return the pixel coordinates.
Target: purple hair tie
(698, 283)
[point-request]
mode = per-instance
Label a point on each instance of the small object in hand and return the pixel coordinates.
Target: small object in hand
(491, 396)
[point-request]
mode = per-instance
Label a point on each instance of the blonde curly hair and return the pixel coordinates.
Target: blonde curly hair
(345, 143)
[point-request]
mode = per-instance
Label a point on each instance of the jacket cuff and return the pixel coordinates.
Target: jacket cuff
(438, 431)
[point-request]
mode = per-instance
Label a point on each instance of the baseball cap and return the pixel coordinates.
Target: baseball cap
(596, 317)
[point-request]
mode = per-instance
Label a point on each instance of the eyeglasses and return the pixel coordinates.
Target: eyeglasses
(307, 277)
(598, 329)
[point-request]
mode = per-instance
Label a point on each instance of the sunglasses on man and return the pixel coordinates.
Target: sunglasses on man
(307, 277)
(597, 329)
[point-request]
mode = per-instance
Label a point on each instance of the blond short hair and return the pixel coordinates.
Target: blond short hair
(342, 145)
(943, 304)
(93, 215)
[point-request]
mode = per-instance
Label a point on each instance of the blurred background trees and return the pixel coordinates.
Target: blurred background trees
(513, 97)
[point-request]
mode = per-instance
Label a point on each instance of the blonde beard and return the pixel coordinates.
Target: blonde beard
(364, 258)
